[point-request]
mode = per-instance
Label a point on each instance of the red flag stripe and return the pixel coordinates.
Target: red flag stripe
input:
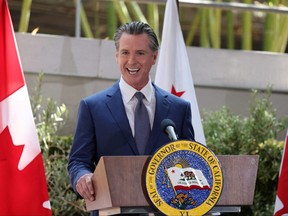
(12, 81)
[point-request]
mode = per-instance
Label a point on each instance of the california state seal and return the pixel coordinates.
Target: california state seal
(184, 178)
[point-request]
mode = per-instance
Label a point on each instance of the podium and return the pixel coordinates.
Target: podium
(120, 187)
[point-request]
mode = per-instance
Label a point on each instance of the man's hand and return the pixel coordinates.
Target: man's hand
(85, 188)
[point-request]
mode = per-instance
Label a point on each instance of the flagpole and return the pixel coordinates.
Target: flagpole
(166, 171)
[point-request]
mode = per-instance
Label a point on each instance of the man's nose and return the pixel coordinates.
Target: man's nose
(132, 59)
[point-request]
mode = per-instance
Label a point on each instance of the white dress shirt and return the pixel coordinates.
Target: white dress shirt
(130, 101)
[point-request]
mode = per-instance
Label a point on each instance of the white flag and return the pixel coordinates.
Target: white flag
(173, 72)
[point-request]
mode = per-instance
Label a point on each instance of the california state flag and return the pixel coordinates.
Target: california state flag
(173, 72)
(281, 203)
(23, 187)
(187, 178)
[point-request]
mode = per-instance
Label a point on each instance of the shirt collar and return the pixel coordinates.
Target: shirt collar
(128, 91)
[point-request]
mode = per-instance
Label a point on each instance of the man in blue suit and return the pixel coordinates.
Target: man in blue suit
(105, 123)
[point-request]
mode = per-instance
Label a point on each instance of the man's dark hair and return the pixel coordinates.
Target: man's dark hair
(136, 28)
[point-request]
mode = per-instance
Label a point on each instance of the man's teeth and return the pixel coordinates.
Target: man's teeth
(132, 71)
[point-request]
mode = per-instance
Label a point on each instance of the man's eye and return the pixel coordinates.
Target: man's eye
(124, 53)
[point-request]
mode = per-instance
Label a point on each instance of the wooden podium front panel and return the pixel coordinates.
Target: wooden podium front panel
(126, 182)
(239, 174)
(119, 181)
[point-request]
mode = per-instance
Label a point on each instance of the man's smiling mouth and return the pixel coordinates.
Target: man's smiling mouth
(133, 70)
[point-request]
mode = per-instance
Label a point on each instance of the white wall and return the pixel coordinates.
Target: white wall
(75, 68)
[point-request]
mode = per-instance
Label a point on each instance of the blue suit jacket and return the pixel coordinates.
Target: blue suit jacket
(103, 128)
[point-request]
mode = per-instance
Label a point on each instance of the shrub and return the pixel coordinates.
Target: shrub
(253, 135)
(49, 119)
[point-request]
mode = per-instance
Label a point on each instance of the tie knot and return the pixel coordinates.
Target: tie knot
(139, 96)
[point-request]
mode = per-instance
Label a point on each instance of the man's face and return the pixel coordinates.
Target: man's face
(135, 59)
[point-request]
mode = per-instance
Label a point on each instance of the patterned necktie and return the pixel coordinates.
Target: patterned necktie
(141, 124)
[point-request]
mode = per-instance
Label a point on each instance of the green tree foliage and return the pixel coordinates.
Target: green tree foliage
(253, 135)
(207, 26)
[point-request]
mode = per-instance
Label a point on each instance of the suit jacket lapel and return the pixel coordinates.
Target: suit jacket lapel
(161, 112)
(117, 109)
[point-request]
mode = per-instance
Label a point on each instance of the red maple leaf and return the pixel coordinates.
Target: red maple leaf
(22, 191)
(174, 92)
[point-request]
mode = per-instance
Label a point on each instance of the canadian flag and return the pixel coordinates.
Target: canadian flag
(281, 203)
(173, 72)
(23, 186)
(187, 178)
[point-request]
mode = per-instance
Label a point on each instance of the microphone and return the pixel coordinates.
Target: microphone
(168, 126)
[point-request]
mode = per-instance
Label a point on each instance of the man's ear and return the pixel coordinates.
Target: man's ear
(155, 56)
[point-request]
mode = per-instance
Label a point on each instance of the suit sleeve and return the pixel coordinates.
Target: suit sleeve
(82, 155)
